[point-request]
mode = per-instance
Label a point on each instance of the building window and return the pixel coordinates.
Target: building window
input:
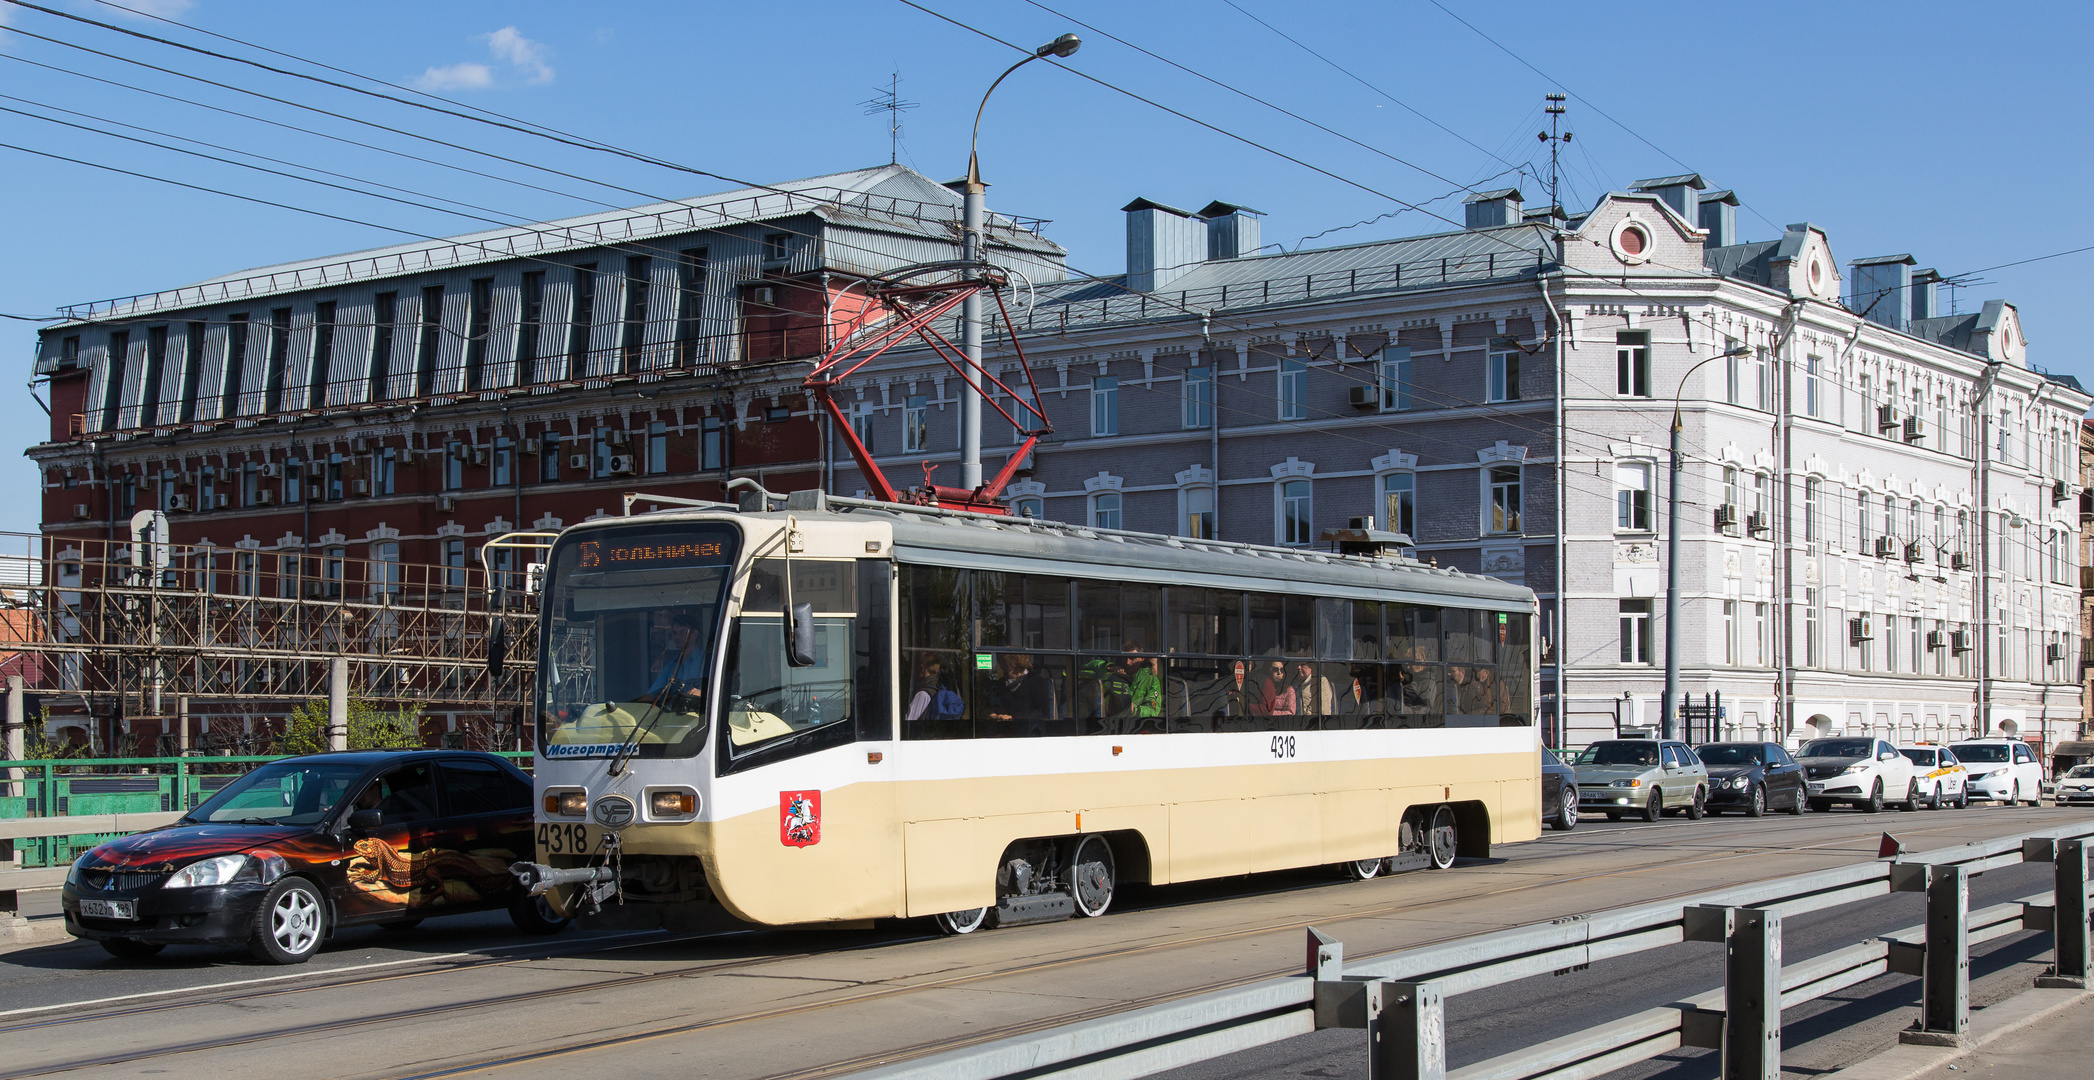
(385, 471)
(690, 307)
(235, 365)
(1632, 498)
(1632, 363)
(454, 466)
(331, 560)
(294, 482)
(548, 458)
(1505, 499)
(1395, 378)
(712, 444)
(528, 321)
(1105, 510)
(1861, 522)
(1399, 501)
(1733, 374)
(634, 334)
(657, 448)
(479, 313)
(432, 341)
(1197, 407)
(504, 451)
(244, 576)
(192, 371)
(601, 453)
(1730, 632)
(1763, 501)
(1297, 513)
(1198, 516)
(1812, 527)
(1763, 370)
(1890, 642)
(1762, 641)
(1502, 372)
(113, 380)
(1811, 653)
(1025, 412)
(860, 416)
(279, 353)
(288, 571)
(776, 247)
(1810, 386)
(1030, 507)
(583, 323)
(454, 563)
(250, 487)
(385, 568)
(381, 345)
(1294, 389)
(916, 424)
(1105, 406)
(335, 486)
(1635, 631)
(206, 489)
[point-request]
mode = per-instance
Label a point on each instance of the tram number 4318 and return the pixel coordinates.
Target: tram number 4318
(563, 839)
(1283, 746)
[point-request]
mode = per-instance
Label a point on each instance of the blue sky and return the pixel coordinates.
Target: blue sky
(1938, 129)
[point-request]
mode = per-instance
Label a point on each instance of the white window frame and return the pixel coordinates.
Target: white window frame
(1196, 400)
(1293, 386)
(1501, 380)
(1294, 511)
(1632, 364)
(1631, 513)
(1105, 406)
(1107, 510)
(1399, 502)
(1495, 521)
(1635, 627)
(1393, 375)
(1193, 522)
(916, 423)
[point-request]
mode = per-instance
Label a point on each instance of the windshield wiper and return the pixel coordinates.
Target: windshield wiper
(244, 821)
(641, 730)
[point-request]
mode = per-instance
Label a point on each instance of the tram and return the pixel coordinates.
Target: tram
(840, 710)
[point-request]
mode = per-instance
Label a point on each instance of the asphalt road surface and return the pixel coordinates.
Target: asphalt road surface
(464, 996)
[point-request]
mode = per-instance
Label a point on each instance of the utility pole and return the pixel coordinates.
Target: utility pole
(1554, 140)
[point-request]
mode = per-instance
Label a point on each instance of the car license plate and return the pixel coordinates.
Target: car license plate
(109, 909)
(1817, 786)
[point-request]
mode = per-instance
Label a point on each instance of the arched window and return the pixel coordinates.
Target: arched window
(1196, 516)
(1030, 506)
(1296, 512)
(1399, 500)
(1105, 510)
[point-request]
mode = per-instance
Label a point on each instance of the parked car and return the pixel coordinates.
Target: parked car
(281, 858)
(1559, 793)
(1753, 777)
(2002, 770)
(1943, 780)
(1641, 776)
(2076, 786)
(1860, 771)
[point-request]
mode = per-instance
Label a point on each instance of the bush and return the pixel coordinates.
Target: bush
(370, 728)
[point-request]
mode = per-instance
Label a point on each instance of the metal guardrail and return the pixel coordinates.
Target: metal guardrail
(1400, 998)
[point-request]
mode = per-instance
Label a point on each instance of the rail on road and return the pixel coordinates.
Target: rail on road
(1399, 999)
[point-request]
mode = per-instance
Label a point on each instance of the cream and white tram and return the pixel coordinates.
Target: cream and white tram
(844, 711)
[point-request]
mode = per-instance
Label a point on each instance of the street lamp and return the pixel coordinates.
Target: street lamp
(1672, 552)
(975, 252)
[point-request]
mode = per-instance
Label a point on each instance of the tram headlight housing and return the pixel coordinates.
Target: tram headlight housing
(567, 803)
(671, 804)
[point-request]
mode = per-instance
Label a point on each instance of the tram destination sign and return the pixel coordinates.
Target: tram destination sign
(643, 554)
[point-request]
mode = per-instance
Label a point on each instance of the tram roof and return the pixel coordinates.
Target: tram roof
(986, 542)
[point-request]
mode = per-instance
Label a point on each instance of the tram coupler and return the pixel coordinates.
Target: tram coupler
(599, 883)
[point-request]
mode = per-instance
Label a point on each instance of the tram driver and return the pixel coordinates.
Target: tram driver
(679, 685)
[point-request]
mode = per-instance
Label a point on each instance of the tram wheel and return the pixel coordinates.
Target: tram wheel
(955, 923)
(1092, 876)
(1363, 869)
(1444, 839)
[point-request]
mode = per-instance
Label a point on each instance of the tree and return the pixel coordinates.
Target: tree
(370, 728)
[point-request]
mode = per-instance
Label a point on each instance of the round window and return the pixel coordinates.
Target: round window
(1633, 241)
(1817, 273)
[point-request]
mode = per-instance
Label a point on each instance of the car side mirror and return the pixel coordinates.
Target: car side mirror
(799, 636)
(365, 819)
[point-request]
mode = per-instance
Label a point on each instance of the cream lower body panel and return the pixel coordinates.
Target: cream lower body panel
(923, 844)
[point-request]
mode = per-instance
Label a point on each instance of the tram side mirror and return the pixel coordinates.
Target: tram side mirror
(497, 647)
(799, 636)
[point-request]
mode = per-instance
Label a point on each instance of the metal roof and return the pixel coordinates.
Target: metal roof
(1885, 260)
(1490, 196)
(1151, 204)
(1218, 208)
(1689, 179)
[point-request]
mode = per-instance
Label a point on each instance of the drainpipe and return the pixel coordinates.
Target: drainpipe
(1562, 619)
(1785, 566)
(1981, 615)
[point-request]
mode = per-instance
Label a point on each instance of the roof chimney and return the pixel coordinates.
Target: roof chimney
(1719, 216)
(1882, 289)
(1923, 293)
(1490, 209)
(1232, 230)
(1677, 191)
(1163, 242)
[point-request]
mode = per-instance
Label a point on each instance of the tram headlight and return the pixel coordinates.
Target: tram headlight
(672, 803)
(567, 803)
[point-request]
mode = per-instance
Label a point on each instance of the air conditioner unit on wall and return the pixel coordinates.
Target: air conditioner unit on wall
(2055, 653)
(1364, 397)
(1959, 560)
(1886, 547)
(1886, 416)
(579, 461)
(264, 498)
(222, 501)
(175, 502)
(528, 448)
(1862, 628)
(479, 457)
(1913, 552)
(1757, 524)
(404, 457)
(1959, 640)
(1727, 516)
(615, 438)
(621, 464)
(361, 487)
(1936, 639)
(446, 503)
(2058, 491)
(80, 512)
(272, 470)
(1915, 430)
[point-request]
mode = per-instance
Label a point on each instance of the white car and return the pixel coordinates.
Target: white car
(2002, 770)
(1943, 780)
(2076, 786)
(1861, 771)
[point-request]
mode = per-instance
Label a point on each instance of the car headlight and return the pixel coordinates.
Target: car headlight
(1739, 782)
(202, 872)
(1857, 767)
(1991, 774)
(1628, 783)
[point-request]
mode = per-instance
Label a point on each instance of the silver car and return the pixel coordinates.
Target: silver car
(1645, 777)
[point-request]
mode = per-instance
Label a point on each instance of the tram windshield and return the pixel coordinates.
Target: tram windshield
(632, 626)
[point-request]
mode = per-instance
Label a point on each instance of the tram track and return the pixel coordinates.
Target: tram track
(1845, 831)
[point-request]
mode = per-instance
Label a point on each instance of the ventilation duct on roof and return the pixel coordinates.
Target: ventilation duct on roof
(1163, 242)
(1491, 209)
(1924, 283)
(1719, 217)
(1882, 289)
(1232, 230)
(1677, 191)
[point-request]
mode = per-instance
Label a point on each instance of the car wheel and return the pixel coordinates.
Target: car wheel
(1655, 808)
(1092, 876)
(1566, 817)
(535, 915)
(1934, 797)
(1444, 841)
(290, 923)
(1699, 806)
(955, 923)
(1911, 802)
(2037, 798)
(1363, 869)
(2013, 795)
(127, 948)
(1796, 806)
(1963, 798)
(400, 925)
(1756, 802)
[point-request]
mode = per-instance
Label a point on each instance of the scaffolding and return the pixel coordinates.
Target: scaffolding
(153, 631)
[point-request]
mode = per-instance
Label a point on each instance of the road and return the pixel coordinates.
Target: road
(741, 1004)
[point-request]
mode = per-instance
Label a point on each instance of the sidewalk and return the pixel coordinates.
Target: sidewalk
(2036, 1035)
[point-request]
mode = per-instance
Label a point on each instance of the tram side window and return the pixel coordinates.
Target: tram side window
(769, 699)
(936, 615)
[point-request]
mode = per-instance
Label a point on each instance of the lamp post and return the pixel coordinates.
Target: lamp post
(1666, 705)
(974, 251)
